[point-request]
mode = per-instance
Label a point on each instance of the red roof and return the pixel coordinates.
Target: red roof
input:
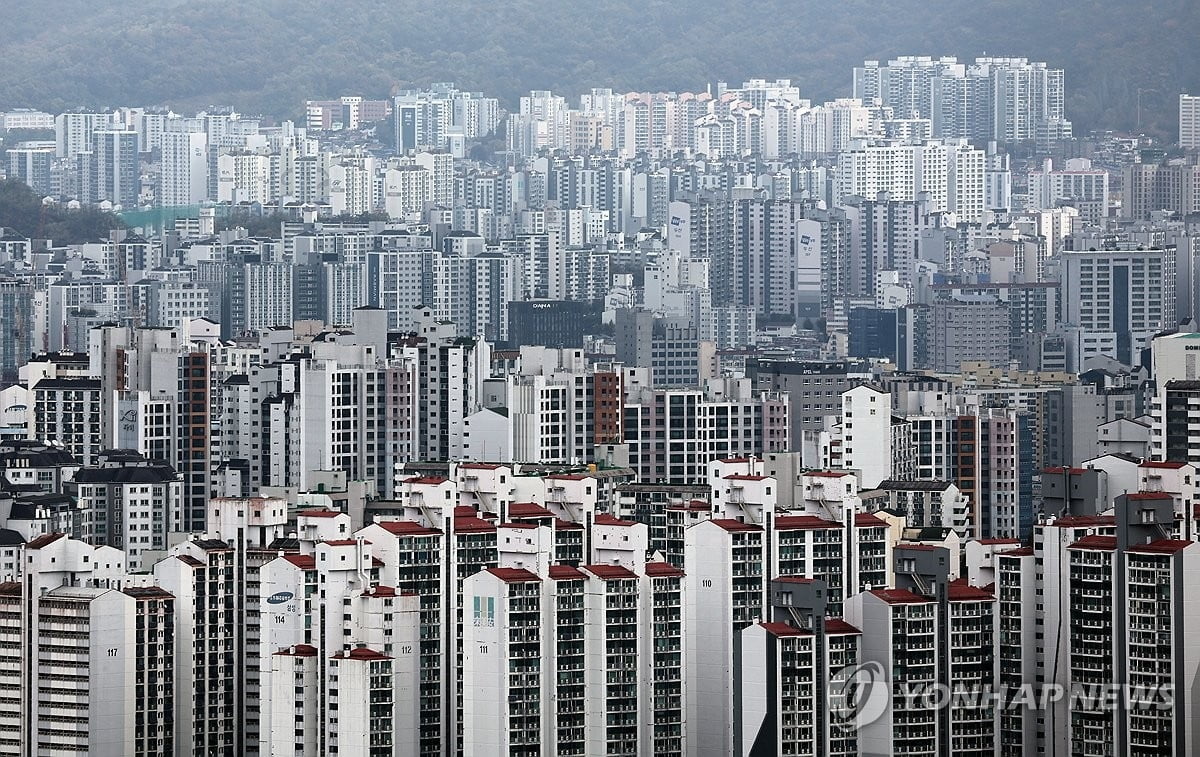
(735, 525)
(662, 570)
(734, 460)
(406, 528)
(472, 525)
(44, 540)
(961, 591)
(465, 511)
(342, 542)
(1162, 547)
(838, 626)
(565, 573)
(189, 560)
(513, 575)
(303, 562)
(433, 480)
(610, 572)
(899, 596)
(803, 523)
(999, 541)
(1166, 464)
(1144, 496)
(1095, 542)
(10, 589)
(744, 477)
(480, 466)
(604, 519)
(1059, 470)
(566, 477)
(695, 505)
(867, 520)
(528, 510)
(300, 650)
(567, 525)
(828, 474)
(360, 653)
(783, 629)
(794, 580)
(318, 513)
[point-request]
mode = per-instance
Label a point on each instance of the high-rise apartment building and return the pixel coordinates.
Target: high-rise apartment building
(16, 341)
(951, 173)
(131, 504)
(968, 328)
(113, 167)
(73, 131)
(1151, 187)
(1009, 99)
(31, 164)
(1189, 121)
(528, 636)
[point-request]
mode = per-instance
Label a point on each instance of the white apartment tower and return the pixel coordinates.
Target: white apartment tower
(950, 172)
(866, 436)
(184, 168)
(1189, 121)
(73, 131)
(584, 640)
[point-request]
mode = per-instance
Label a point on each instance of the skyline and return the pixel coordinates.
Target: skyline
(416, 49)
(741, 419)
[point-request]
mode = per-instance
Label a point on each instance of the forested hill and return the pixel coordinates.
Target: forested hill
(22, 210)
(270, 55)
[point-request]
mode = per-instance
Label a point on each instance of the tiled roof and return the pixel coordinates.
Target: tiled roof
(513, 575)
(610, 572)
(1095, 542)
(899, 596)
(662, 570)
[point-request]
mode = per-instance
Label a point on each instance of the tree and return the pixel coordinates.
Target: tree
(22, 210)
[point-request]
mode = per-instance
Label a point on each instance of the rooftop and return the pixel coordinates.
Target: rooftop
(899, 596)
(662, 570)
(735, 525)
(406, 528)
(513, 575)
(961, 591)
(803, 523)
(566, 573)
(1094, 541)
(610, 572)
(1162, 547)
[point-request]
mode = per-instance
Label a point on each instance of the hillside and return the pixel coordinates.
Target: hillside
(21, 209)
(271, 55)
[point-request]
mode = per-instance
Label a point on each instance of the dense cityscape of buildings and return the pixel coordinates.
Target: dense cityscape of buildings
(638, 426)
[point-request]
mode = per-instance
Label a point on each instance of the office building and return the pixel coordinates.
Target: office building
(1119, 299)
